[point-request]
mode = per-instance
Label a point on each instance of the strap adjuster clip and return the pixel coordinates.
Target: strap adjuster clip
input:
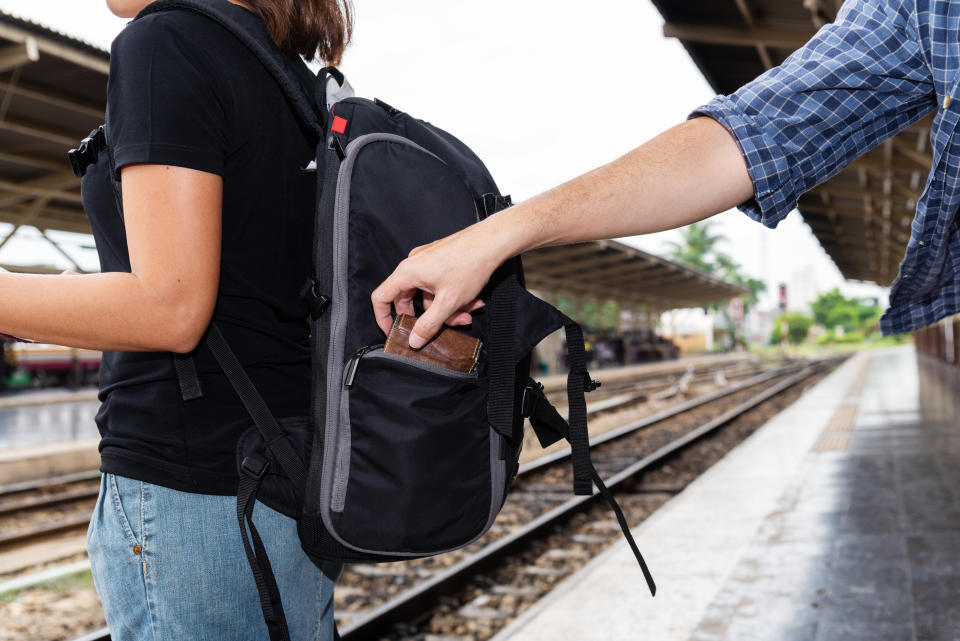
(589, 384)
(317, 303)
(254, 467)
(86, 153)
(531, 396)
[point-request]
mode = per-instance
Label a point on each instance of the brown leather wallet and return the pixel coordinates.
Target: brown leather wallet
(449, 349)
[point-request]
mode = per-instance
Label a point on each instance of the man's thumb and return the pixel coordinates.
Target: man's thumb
(426, 327)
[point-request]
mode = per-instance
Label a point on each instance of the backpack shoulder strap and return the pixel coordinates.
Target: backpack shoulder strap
(271, 57)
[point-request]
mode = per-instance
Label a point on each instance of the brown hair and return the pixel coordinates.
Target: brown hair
(307, 27)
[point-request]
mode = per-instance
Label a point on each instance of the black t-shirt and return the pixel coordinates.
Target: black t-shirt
(184, 91)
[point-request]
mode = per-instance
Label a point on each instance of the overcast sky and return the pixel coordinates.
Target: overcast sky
(542, 90)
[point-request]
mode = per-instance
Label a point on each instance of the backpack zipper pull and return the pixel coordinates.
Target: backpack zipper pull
(351, 371)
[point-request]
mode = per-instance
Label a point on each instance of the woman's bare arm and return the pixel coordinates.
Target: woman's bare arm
(173, 222)
(686, 174)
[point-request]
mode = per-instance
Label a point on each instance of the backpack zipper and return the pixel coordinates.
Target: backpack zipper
(350, 372)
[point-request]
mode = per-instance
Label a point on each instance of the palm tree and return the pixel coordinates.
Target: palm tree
(698, 244)
(698, 249)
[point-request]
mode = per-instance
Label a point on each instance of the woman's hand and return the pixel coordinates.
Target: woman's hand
(450, 272)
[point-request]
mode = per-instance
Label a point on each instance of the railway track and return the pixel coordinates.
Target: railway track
(649, 385)
(36, 510)
(412, 600)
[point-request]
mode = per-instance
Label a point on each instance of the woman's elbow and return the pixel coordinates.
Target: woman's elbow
(181, 327)
(187, 329)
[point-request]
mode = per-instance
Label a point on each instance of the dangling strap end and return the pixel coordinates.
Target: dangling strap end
(583, 487)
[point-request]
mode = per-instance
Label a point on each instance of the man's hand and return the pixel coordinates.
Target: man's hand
(450, 272)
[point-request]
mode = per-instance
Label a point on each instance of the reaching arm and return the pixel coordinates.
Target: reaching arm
(859, 80)
(686, 174)
(173, 219)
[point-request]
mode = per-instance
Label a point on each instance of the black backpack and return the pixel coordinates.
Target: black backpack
(400, 459)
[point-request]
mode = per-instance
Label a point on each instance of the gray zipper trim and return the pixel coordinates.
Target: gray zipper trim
(498, 477)
(341, 472)
(428, 367)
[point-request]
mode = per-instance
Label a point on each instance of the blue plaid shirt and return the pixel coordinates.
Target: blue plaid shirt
(881, 66)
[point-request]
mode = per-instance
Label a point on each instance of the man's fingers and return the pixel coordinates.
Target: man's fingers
(404, 305)
(460, 318)
(381, 298)
(429, 324)
(474, 306)
(470, 307)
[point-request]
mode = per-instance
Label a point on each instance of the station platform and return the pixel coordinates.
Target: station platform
(837, 520)
(47, 433)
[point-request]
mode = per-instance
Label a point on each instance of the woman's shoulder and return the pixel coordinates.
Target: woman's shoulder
(172, 33)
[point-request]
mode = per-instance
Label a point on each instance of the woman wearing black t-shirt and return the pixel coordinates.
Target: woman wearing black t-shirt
(216, 223)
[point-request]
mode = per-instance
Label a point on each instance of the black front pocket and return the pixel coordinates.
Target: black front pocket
(418, 474)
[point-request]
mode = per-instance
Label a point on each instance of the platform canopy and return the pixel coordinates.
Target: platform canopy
(862, 216)
(52, 93)
(606, 269)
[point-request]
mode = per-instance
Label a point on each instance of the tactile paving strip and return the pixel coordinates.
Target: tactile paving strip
(836, 435)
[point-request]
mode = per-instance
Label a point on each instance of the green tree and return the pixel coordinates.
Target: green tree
(825, 303)
(833, 309)
(698, 249)
(698, 245)
(798, 325)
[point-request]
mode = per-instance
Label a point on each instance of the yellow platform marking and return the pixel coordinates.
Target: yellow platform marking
(835, 436)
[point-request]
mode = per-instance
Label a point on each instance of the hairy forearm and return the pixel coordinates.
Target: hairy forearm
(109, 311)
(686, 174)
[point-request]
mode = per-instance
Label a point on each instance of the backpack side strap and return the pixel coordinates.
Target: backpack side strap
(578, 383)
(251, 473)
(550, 427)
(187, 377)
(273, 435)
(502, 310)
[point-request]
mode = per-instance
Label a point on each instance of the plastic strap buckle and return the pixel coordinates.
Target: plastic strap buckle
(254, 467)
(531, 396)
(334, 142)
(589, 384)
(317, 303)
(489, 204)
(86, 153)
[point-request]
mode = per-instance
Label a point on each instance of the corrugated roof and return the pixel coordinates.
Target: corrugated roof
(53, 88)
(37, 29)
(607, 269)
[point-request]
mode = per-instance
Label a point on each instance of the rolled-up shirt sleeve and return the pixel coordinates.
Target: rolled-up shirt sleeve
(857, 82)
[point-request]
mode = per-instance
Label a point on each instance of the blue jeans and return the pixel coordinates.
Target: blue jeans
(170, 565)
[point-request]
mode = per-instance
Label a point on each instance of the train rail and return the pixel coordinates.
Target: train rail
(536, 509)
(36, 510)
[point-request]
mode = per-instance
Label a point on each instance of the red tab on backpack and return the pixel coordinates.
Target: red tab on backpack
(339, 125)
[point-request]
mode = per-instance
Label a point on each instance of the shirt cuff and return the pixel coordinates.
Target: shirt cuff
(773, 193)
(168, 154)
